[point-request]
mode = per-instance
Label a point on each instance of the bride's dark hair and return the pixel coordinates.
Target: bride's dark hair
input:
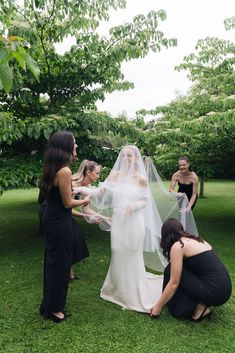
(57, 156)
(172, 231)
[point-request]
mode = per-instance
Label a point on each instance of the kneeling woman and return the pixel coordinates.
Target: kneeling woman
(195, 278)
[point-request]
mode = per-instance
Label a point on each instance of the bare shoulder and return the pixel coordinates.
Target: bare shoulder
(176, 249)
(194, 177)
(65, 172)
(176, 175)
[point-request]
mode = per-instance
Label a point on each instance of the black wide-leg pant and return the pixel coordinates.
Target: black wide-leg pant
(57, 259)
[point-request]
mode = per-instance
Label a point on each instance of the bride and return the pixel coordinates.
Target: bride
(127, 199)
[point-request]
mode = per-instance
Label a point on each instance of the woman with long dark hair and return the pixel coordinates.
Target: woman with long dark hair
(57, 222)
(187, 181)
(195, 278)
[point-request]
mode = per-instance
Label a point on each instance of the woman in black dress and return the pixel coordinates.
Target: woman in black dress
(187, 181)
(195, 278)
(57, 223)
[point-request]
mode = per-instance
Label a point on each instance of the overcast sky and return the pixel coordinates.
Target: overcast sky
(156, 82)
(155, 79)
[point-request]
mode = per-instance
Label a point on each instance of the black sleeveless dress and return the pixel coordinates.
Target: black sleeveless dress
(188, 190)
(204, 280)
(79, 247)
(57, 223)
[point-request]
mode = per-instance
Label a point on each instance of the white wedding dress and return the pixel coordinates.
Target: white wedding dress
(127, 283)
(133, 201)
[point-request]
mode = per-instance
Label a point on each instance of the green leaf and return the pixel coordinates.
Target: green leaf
(33, 67)
(3, 54)
(6, 78)
(31, 64)
(20, 59)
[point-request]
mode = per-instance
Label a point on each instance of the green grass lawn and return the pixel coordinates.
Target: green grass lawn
(97, 326)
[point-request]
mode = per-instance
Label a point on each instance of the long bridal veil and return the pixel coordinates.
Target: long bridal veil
(168, 205)
(133, 203)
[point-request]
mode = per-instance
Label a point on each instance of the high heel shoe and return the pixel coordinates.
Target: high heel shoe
(42, 311)
(202, 316)
(55, 318)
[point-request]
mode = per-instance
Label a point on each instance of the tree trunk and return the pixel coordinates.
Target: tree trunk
(201, 192)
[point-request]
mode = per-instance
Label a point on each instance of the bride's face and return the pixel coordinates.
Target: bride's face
(129, 158)
(129, 155)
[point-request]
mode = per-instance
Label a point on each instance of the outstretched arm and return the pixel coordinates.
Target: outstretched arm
(176, 257)
(63, 178)
(194, 194)
(91, 215)
(173, 182)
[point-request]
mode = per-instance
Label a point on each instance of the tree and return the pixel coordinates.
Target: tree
(71, 83)
(91, 67)
(202, 124)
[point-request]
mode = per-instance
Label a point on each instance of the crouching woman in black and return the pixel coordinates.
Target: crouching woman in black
(57, 222)
(195, 278)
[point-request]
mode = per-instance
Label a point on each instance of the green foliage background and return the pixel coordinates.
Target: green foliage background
(200, 125)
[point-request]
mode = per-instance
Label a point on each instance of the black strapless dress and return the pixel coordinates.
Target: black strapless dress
(57, 223)
(204, 280)
(188, 190)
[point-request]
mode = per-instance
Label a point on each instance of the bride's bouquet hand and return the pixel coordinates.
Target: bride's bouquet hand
(129, 210)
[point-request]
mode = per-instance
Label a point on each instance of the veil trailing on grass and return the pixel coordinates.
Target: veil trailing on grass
(133, 204)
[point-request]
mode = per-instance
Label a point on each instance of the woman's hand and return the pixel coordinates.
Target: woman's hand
(96, 218)
(129, 210)
(75, 191)
(181, 194)
(101, 218)
(155, 310)
(86, 201)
